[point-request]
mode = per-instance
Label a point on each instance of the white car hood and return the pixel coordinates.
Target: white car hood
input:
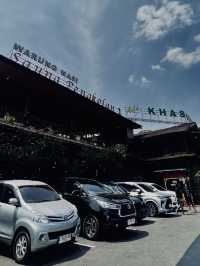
(52, 208)
(167, 193)
(162, 194)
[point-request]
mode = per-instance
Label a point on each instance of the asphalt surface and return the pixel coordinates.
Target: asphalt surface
(165, 241)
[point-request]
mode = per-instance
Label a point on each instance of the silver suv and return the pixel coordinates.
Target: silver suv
(158, 200)
(33, 216)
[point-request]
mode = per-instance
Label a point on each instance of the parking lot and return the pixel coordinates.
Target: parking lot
(167, 241)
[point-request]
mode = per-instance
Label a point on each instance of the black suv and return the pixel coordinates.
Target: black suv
(140, 205)
(98, 206)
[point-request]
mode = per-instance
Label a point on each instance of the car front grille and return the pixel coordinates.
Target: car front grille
(127, 209)
(168, 203)
(65, 218)
(56, 235)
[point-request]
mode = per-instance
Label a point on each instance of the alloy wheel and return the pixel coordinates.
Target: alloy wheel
(152, 208)
(91, 227)
(21, 247)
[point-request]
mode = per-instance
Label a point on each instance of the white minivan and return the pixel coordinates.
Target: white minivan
(158, 200)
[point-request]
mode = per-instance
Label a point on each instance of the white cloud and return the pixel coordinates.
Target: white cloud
(179, 56)
(197, 38)
(157, 68)
(155, 21)
(145, 81)
(131, 78)
(139, 81)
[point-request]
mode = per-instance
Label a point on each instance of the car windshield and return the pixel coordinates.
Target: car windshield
(37, 194)
(95, 189)
(128, 187)
(148, 188)
(159, 187)
(115, 189)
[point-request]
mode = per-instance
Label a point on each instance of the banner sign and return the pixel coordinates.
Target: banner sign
(159, 115)
(45, 68)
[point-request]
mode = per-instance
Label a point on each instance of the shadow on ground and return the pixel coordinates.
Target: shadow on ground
(51, 256)
(130, 234)
(5, 251)
(145, 222)
(192, 255)
(191, 213)
(170, 215)
(58, 254)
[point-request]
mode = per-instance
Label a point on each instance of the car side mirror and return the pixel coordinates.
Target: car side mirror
(14, 202)
(139, 191)
(60, 196)
(83, 194)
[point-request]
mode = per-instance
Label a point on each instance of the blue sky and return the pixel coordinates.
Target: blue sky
(129, 52)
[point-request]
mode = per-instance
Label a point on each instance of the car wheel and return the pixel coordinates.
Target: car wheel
(21, 247)
(91, 227)
(138, 221)
(152, 209)
(73, 240)
(121, 229)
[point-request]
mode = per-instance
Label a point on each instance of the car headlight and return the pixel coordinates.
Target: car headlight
(41, 219)
(108, 205)
(75, 211)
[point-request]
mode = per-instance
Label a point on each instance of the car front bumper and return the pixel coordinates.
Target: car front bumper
(169, 207)
(116, 221)
(170, 210)
(45, 237)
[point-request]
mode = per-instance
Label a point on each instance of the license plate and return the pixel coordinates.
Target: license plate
(64, 238)
(131, 221)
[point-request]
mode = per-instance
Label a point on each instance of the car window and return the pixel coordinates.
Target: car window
(8, 194)
(115, 189)
(159, 187)
(129, 188)
(147, 187)
(95, 189)
(134, 188)
(37, 194)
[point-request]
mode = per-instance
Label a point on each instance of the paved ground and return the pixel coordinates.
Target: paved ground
(163, 241)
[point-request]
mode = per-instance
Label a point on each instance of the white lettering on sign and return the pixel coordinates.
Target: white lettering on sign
(45, 68)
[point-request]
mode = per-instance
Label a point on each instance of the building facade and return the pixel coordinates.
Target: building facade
(169, 153)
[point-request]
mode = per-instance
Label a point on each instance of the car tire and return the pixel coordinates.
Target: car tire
(152, 209)
(21, 248)
(138, 221)
(122, 229)
(91, 227)
(73, 240)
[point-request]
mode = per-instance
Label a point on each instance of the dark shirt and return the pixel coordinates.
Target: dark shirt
(180, 189)
(188, 187)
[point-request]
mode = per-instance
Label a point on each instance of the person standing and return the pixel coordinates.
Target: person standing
(179, 189)
(189, 195)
